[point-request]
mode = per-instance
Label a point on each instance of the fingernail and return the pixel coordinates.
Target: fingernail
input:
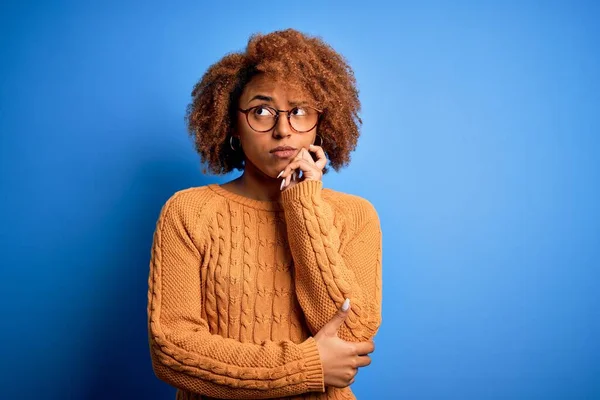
(346, 305)
(281, 173)
(294, 175)
(282, 183)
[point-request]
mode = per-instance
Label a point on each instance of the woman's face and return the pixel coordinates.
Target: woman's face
(259, 146)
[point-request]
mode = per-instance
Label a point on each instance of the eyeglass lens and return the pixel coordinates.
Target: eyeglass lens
(302, 119)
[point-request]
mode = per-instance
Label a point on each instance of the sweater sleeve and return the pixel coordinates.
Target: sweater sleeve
(328, 271)
(185, 354)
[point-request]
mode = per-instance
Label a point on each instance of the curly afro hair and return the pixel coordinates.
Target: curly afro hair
(288, 56)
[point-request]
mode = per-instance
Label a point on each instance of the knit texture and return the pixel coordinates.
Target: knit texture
(239, 287)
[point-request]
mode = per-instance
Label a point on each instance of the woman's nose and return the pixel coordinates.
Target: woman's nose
(282, 126)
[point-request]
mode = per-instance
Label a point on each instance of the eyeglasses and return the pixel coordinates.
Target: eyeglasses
(264, 118)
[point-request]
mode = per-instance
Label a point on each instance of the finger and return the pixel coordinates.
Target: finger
(288, 170)
(305, 154)
(301, 164)
(338, 319)
(363, 348)
(300, 155)
(353, 377)
(363, 361)
(291, 177)
(321, 157)
(293, 169)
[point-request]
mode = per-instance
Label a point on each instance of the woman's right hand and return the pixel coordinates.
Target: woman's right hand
(341, 359)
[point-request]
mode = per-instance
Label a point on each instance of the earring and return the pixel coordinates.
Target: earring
(321, 142)
(231, 143)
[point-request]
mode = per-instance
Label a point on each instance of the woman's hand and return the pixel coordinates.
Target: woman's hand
(341, 359)
(311, 169)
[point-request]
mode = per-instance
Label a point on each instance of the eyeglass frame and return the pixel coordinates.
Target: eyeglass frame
(277, 112)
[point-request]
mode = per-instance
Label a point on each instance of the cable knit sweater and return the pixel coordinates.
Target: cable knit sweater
(238, 287)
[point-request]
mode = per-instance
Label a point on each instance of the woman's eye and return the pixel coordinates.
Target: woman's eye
(262, 112)
(300, 112)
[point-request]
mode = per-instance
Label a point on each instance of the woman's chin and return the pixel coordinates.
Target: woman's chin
(272, 171)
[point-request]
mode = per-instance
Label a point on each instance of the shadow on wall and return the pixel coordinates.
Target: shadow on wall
(119, 358)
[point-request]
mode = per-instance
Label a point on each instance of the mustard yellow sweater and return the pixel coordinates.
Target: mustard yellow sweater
(238, 287)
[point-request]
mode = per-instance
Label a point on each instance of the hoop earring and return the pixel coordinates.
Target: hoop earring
(231, 144)
(321, 143)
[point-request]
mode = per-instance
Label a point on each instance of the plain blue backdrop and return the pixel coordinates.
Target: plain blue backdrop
(480, 150)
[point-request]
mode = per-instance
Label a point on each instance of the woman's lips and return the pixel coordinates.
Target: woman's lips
(284, 153)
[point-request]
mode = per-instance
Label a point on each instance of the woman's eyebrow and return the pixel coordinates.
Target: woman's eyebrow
(270, 99)
(261, 97)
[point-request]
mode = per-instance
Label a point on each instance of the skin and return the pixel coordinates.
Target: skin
(266, 176)
(259, 180)
(340, 359)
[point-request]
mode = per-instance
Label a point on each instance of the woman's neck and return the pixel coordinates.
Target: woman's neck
(256, 185)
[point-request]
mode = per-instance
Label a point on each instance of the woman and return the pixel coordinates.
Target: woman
(268, 286)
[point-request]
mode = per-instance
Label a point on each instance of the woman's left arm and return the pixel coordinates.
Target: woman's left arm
(328, 271)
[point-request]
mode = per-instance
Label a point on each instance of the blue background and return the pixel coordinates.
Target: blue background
(480, 150)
